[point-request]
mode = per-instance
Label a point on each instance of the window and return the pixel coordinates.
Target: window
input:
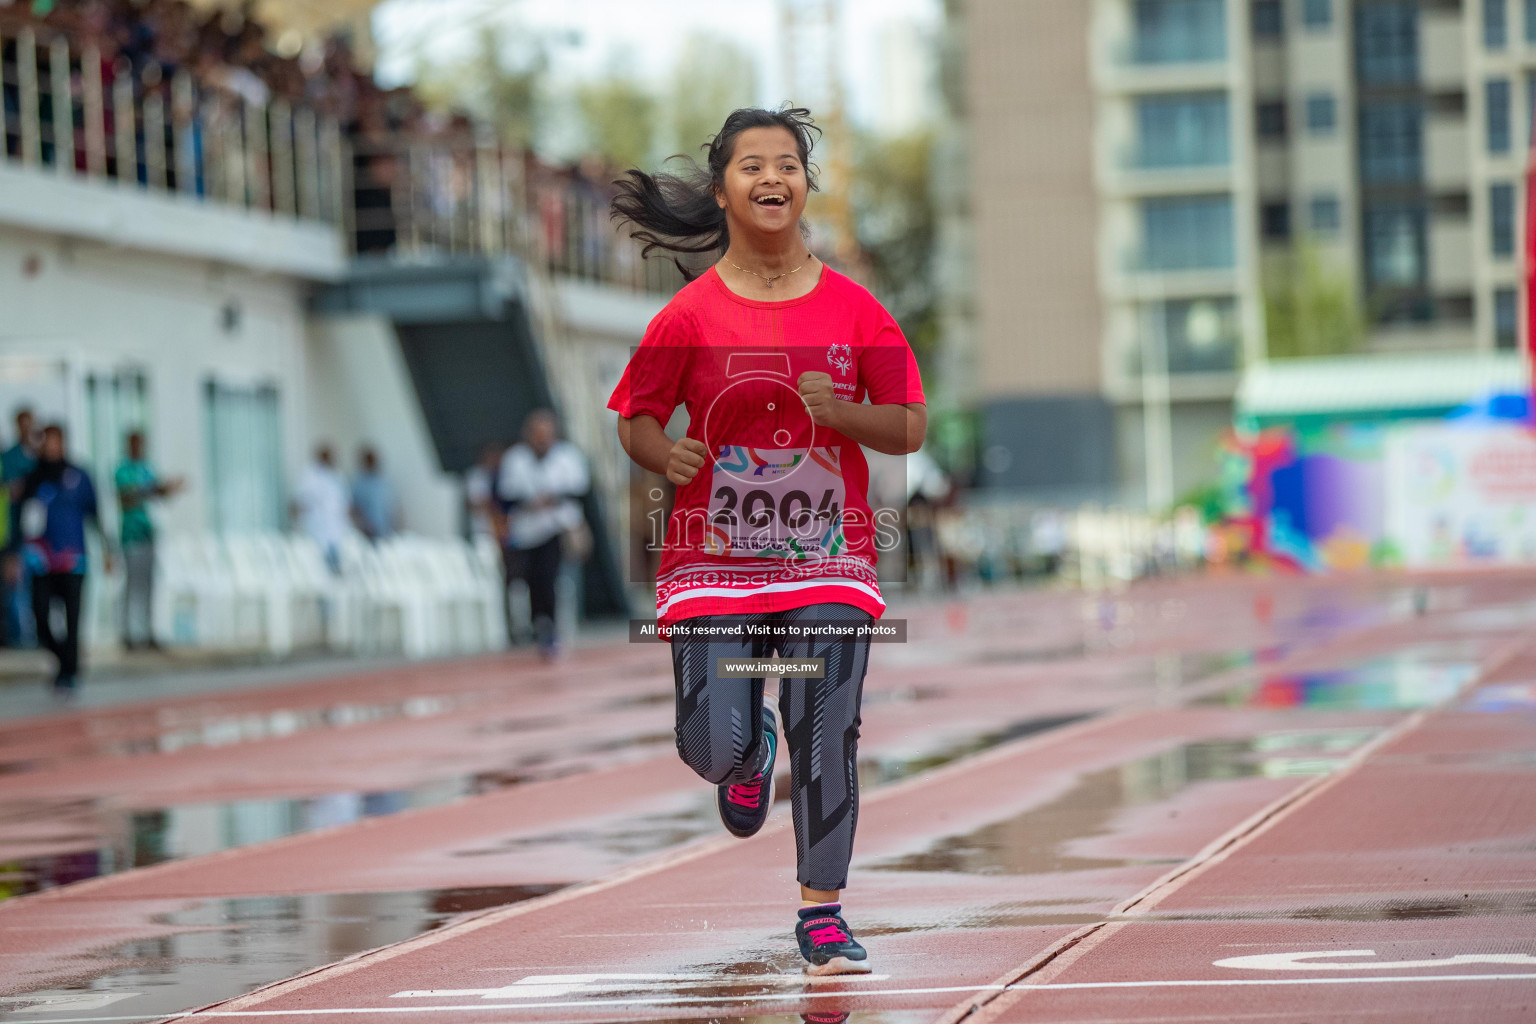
(1322, 114)
(1319, 13)
(115, 404)
(1188, 233)
(1530, 105)
(1269, 116)
(1183, 130)
(1275, 221)
(1497, 103)
(1391, 141)
(1530, 21)
(1450, 205)
(1495, 24)
(1176, 31)
(1506, 318)
(1268, 19)
(1456, 308)
(1450, 103)
(245, 465)
(1201, 335)
(1394, 245)
(1530, 108)
(1387, 42)
(1326, 217)
(1501, 220)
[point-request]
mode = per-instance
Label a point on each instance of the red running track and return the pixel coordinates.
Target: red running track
(1300, 806)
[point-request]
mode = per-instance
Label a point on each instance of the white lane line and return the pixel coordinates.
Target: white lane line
(554, 986)
(1078, 986)
(1309, 961)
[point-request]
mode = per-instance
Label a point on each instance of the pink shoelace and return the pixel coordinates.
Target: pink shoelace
(747, 794)
(829, 932)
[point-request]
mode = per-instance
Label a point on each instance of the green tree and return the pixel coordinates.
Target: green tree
(1310, 307)
(500, 84)
(712, 77)
(619, 116)
(896, 227)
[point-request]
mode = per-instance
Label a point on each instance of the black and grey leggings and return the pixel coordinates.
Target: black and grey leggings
(720, 725)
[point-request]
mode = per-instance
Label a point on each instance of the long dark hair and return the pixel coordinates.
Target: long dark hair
(677, 212)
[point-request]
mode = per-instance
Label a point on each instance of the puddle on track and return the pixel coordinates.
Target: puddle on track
(182, 729)
(114, 840)
(231, 946)
(624, 837)
(186, 728)
(1426, 908)
(1415, 678)
(325, 928)
(1038, 841)
(877, 770)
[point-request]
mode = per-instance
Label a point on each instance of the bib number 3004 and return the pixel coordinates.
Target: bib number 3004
(785, 503)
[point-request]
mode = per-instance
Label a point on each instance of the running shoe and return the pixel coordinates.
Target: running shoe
(744, 806)
(827, 942)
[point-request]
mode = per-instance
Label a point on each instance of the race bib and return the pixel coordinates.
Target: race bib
(776, 503)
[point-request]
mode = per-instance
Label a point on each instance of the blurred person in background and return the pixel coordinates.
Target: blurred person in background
(15, 463)
(58, 500)
(137, 485)
(1048, 539)
(540, 482)
(928, 488)
(374, 509)
(320, 505)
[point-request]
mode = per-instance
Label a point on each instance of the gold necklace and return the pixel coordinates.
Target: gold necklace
(769, 280)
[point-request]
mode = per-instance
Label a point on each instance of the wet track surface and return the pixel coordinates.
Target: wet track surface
(1076, 808)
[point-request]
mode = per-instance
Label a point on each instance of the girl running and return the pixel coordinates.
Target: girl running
(771, 541)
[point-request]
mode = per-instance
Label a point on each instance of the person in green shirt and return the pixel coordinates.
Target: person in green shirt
(138, 485)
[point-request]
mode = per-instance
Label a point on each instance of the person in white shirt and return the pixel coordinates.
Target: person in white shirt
(539, 485)
(322, 505)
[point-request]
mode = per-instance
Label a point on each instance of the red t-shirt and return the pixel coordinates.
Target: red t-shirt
(779, 517)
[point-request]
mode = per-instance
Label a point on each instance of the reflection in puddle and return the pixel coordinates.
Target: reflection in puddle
(877, 769)
(623, 837)
(904, 695)
(183, 728)
(223, 948)
(1400, 682)
(1495, 618)
(135, 839)
(1483, 904)
(1521, 904)
(1038, 841)
(1503, 697)
(817, 1016)
(114, 840)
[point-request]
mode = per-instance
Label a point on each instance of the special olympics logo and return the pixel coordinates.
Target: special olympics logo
(841, 358)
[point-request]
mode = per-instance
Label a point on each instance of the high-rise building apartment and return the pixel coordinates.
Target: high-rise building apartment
(1146, 171)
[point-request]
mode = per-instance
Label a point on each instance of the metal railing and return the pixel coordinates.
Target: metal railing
(476, 196)
(63, 108)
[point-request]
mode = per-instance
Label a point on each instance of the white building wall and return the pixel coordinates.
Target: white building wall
(359, 391)
(73, 306)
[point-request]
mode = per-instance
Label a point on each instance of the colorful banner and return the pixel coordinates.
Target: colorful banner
(1461, 494)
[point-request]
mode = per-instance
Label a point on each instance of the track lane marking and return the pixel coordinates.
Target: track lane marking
(1308, 961)
(1076, 986)
(1069, 950)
